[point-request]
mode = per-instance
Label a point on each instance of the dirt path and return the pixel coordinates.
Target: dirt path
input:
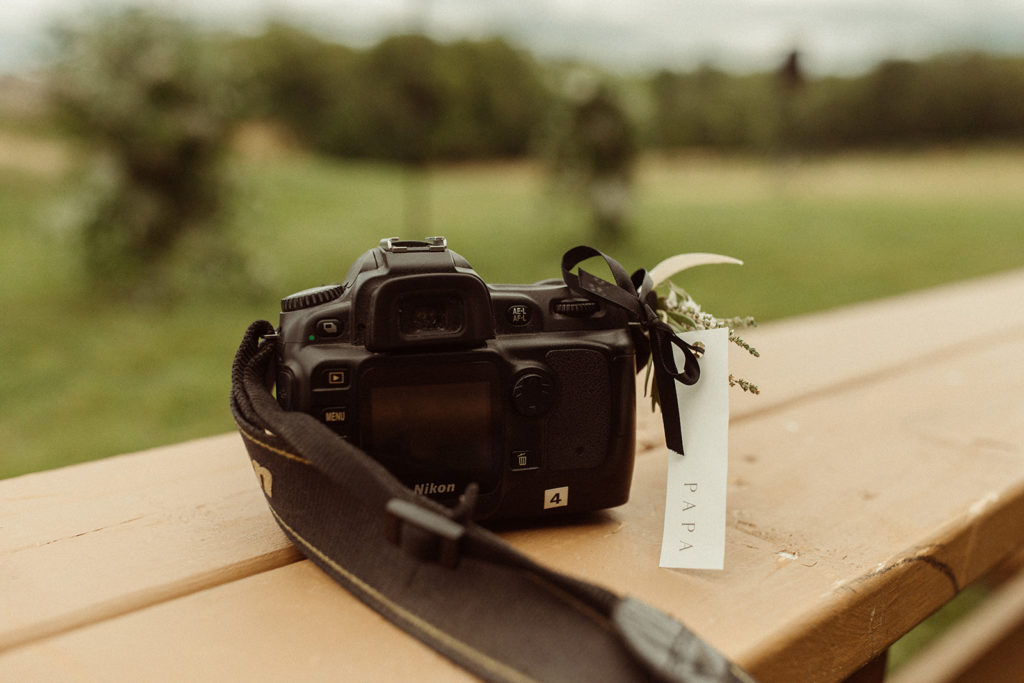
(37, 155)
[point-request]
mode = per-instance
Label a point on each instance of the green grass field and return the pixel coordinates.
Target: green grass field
(84, 377)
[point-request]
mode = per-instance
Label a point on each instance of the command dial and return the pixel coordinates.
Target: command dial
(311, 297)
(578, 308)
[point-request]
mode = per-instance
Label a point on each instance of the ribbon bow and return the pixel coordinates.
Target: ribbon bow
(636, 296)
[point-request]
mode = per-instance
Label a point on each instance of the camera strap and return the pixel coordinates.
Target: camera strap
(435, 573)
(636, 296)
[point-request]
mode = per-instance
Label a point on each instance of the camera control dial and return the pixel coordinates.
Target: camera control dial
(577, 308)
(533, 393)
(311, 297)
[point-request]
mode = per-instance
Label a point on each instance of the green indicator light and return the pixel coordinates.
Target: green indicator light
(312, 337)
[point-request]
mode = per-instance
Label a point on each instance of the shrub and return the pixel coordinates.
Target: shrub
(146, 96)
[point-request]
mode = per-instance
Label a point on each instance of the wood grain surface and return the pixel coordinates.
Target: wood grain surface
(880, 471)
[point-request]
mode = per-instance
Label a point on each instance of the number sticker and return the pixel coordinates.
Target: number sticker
(556, 498)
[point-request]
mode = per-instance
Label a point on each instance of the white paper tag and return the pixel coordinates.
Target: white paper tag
(694, 535)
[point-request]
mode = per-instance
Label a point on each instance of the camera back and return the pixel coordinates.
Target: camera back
(526, 390)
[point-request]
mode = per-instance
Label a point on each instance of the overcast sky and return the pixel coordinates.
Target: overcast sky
(834, 35)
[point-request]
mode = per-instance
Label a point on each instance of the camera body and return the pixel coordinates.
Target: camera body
(527, 390)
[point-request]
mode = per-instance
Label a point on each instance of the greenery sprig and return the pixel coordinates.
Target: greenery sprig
(683, 314)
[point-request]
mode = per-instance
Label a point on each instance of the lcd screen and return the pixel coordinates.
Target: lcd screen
(426, 426)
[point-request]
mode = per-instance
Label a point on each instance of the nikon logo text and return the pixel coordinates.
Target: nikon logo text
(431, 489)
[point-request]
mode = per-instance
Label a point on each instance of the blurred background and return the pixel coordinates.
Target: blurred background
(170, 170)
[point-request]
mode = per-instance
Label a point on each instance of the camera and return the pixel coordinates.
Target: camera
(526, 390)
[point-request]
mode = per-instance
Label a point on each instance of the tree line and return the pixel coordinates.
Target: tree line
(158, 100)
(410, 96)
(951, 98)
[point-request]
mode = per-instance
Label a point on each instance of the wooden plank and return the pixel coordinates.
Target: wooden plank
(808, 354)
(837, 534)
(850, 519)
(905, 501)
(290, 623)
(88, 542)
(140, 530)
(986, 645)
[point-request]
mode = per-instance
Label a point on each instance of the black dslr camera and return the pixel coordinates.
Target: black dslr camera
(527, 390)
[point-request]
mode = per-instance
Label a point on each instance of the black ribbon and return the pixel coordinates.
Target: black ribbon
(636, 296)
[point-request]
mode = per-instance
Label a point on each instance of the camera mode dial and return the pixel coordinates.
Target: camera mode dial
(311, 297)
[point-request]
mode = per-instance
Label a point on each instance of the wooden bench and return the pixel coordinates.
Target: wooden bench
(879, 473)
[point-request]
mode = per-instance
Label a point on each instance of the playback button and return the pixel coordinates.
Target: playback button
(333, 378)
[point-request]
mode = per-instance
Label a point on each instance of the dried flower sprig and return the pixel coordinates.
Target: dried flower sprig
(683, 314)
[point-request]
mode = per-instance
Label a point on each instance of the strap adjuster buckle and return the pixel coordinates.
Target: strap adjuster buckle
(425, 533)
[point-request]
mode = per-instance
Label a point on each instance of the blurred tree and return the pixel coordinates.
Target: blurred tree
(595, 152)
(405, 99)
(676, 118)
(887, 107)
(292, 76)
(406, 102)
(404, 108)
(494, 102)
(956, 98)
(709, 108)
(144, 91)
(789, 84)
(953, 98)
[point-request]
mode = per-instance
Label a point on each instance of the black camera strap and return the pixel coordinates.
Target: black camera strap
(636, 296)
(435, 573)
